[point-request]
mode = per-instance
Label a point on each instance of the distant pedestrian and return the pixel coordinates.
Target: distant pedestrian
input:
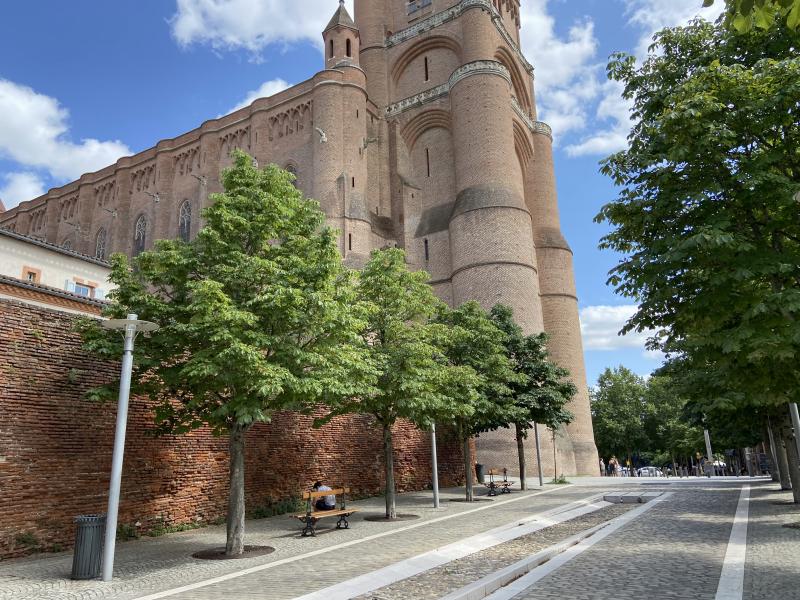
(602, 467)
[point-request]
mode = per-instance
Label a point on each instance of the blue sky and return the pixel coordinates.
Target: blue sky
(82, 83)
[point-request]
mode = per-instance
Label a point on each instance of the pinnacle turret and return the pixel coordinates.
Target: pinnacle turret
(341, 18)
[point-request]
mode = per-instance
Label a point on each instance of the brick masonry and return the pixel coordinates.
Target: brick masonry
(426, 137)
(55, 447)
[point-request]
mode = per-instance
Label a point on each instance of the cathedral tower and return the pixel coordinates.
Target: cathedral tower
(473, 183)
(421, 132)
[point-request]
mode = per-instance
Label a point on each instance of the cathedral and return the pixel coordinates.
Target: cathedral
(420, 132)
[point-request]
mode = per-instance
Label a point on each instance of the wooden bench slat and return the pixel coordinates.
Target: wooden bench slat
(312, 495)
(325, 513)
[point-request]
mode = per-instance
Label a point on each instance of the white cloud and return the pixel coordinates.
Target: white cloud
(251, 24)
(600, 327)
(33, 133)
(265, 90)
(18, 187)
(566, 74)
(653, 15)
(612, 115)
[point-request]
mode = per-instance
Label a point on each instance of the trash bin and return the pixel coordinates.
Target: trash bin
(479, 472)
(88, 546)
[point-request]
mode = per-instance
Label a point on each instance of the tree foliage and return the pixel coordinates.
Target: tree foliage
(744, 15)
(256, 315)
(473, 342)
(707, 213)
(619, 412)
(541, 389)
(416, 381)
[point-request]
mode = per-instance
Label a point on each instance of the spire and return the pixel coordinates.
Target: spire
(341, 18)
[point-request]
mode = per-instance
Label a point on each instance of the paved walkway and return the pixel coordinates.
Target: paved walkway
(676, 549)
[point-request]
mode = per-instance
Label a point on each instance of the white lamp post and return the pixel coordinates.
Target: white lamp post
(795, 423)
(130, 326)
(538, 453)
(434, 467)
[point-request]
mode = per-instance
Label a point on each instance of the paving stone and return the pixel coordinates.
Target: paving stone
(442, 580)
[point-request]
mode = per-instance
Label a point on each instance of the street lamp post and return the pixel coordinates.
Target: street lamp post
(538, 453)
(434, 467)
(795, 424)
(710, 470)
(130, 326)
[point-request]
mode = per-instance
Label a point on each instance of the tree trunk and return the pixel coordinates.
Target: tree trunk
(770, 448)
(521, 452)
(235, 523)
(388, 454)
(783, 459)
(468, 469)
(791, 455)
(555, 458)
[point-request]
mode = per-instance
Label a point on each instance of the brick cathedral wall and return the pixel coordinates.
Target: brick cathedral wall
(55, 447)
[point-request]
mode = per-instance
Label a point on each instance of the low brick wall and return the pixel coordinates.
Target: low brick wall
(55, 447)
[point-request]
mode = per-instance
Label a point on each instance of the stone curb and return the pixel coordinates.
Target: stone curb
(493, 582)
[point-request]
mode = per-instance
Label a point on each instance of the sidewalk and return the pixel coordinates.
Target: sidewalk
(675, 550)
(298, 565)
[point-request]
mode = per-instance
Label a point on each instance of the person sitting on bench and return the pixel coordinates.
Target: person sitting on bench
(326, 502)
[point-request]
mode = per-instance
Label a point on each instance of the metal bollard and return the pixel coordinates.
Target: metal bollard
(88, 552)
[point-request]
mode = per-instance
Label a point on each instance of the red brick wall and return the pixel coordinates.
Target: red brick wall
(55, 447)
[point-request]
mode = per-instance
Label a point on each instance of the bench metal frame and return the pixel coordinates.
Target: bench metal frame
(504, 486)
(312, 517)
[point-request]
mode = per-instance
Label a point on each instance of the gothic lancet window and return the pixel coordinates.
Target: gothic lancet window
(185, 221)
(100, 244)
(139, 235)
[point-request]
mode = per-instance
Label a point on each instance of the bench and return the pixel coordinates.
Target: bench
(312, 516)
(495, 483)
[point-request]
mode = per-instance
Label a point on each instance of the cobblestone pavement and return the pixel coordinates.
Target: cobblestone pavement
(155, 564)
(442, 580)
(772, 569)
(674, 551)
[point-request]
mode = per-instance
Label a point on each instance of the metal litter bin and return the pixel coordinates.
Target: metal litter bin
(479, 472)
(88, 546)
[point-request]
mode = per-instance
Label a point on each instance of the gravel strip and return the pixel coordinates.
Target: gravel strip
(442, 580)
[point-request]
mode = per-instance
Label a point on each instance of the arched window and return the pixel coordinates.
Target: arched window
(100, 244)
(139, 235)
(185, 221)
(349, 48)
(330, 52)
(293, 170)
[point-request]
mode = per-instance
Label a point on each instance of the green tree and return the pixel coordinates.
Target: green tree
(473, 342)
(541, 390)
(255, 313)
(415, 380)
(619, 411)
(744, 15)
(706, 217)
(669, 428)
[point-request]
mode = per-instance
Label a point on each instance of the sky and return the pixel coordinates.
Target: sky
(85, 82)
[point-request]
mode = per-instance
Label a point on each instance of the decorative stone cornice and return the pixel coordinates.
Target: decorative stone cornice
(534, 126)
(543, 128)
(478, 67)
(454, 12)
(418, 100)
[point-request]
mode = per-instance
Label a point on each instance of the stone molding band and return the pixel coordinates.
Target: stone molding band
(534, 126)
(478, 67)
(489, 263)
(451, 13)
